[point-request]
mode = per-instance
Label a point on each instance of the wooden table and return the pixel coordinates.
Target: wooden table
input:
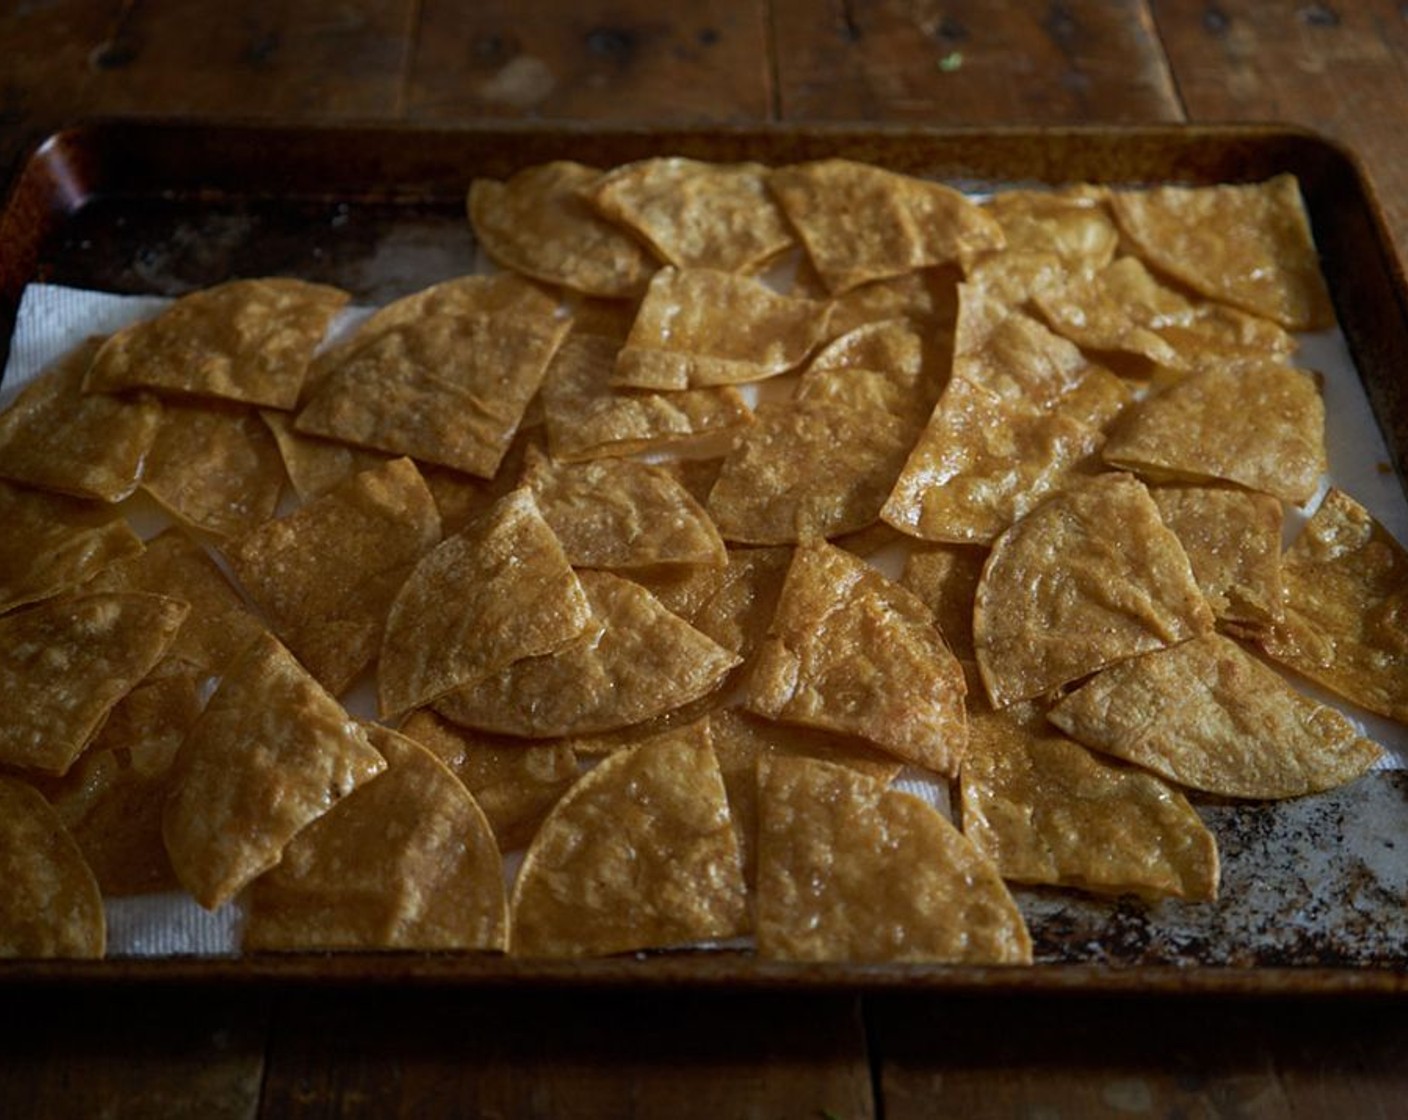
(281, 1050)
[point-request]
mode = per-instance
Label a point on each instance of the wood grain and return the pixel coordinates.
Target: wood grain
(626, 59)
(595, 1055)
(1339, 68)
(131, 1053)
(1090, 1058)
(970, 62)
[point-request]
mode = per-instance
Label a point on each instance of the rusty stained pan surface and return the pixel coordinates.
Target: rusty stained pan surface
(1310, 885)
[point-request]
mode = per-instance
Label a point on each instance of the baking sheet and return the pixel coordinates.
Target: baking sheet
(1318, 882)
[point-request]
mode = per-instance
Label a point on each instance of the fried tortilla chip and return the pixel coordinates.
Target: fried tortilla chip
(111, 799)
(1124, 308)
(245, 340)
(622, 514)
(214, 467)
(271, 753)
(1247, 244)
(634, 661)
(219, 624)
(639, 854)
(1023, 413)
(946, 577)
(325, 575)
(1260, 426)
(699, 327)
(405, 862)
(315, 465)
(588, 417)
(851, 870)
(50, 906)
(1210, 716)
(1075, 224)
(65, 663)
(737, 610)
(927, 297)
(52, 543)
(498, 591)
(743, 741)
(851, 651)
(1046, 810)
(91, 445)
(861, 223)
(1346, 608)
(443, 388)
(537, 223)
(1014, 278)
(514, 782)
(1090, 577)
(696, 214)
(1233, 541)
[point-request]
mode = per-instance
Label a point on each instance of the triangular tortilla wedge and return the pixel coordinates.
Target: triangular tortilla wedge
(1210, 716)
(639, 854)
(1047, 810)
(851, 651)
(270, 754)
(405, 862)
(499, 590)
(1088, 578)
(849, 869)
(634, 661)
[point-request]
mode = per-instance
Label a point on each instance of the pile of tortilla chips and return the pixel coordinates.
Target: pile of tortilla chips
(661, 570)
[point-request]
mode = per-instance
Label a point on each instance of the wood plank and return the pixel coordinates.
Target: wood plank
(1341, 69)
(296, 59)
(972, 62)
(131, 1053)
(623, 60)
(590, 1055)
(983, 1059)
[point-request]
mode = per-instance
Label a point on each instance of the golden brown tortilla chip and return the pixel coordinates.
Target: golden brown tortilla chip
(851, 651)
(860, 223)
(1075, 223)
(946, 577)
(1046, 810)
(695, 213)
(1345, 608)
(111, 799)
(52, 543)
(737, 610)
(514, 782)
(699, 327)
(443, 388)
(50, 905)
(622, 514)
(1260, 426)
(639, 854)
(219, 624)
(851, 870)
(325, 575)
(270, 754)
(315, 465)
(1210, 716)
(245, 340)
(927, 297)
(1233, 541)
(499, 590)
(538, 223)
(634, 661)
(405, 862)
(1124, 308)
(65, 663)
(1022, 414)
(588, 417)
(1247, 244)
(91, 445)
(743, 741)
(1090, 577)
(214, 467)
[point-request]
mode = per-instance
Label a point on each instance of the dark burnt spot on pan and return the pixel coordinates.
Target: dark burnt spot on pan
(615, 44)
(113, 54)
(1319, 15)
(1215, 20)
